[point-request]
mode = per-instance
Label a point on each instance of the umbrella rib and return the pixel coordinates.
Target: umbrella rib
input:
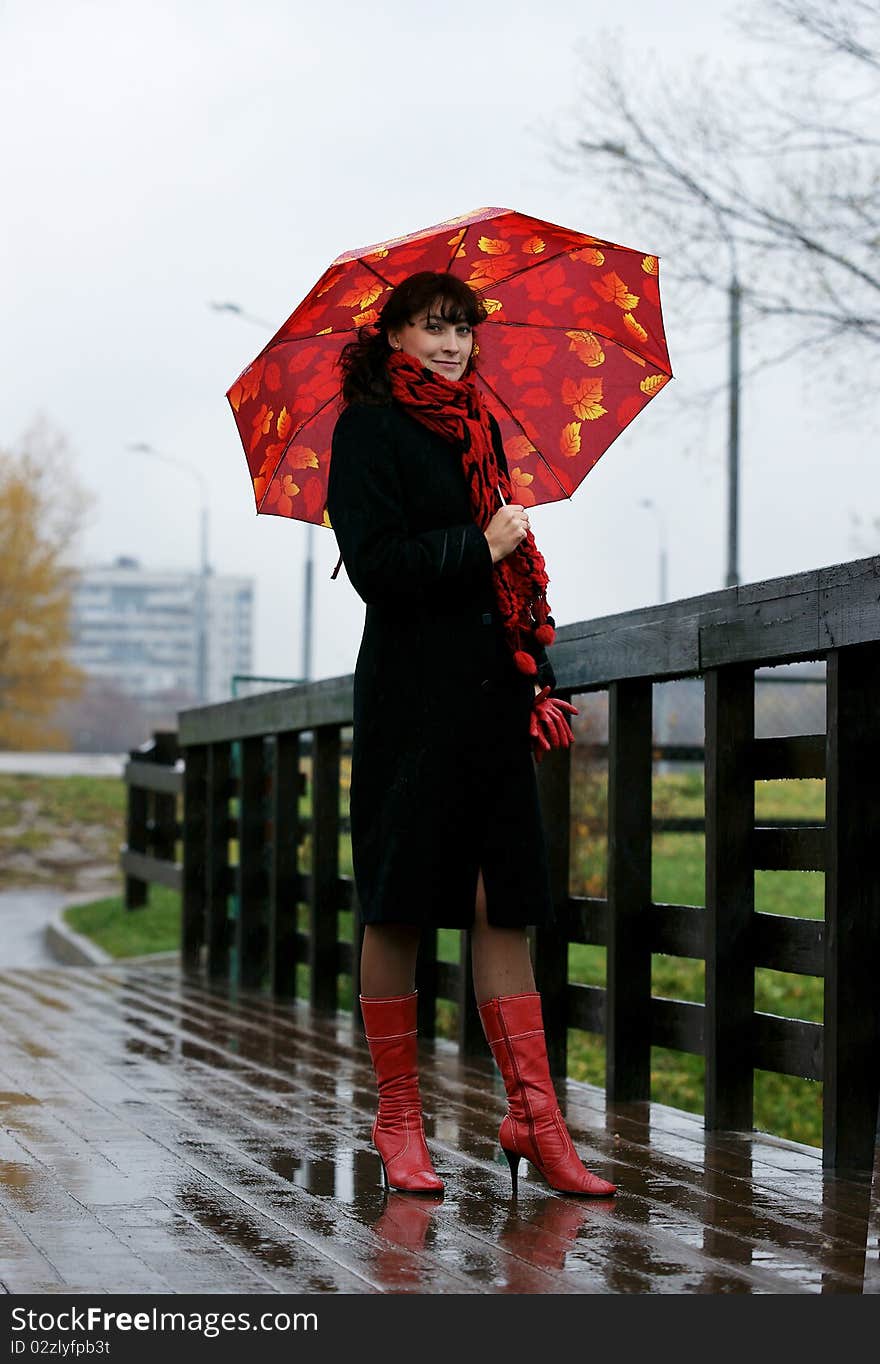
(298, 432)
(375, 272)
(293, 340)
(497, 396)
(542, 260)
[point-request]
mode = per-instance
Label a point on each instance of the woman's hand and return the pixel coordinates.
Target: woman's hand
(507, 529)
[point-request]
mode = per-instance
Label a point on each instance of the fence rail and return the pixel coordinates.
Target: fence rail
(265, 773)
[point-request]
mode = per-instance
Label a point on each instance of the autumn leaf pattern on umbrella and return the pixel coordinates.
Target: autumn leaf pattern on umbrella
(571, 351)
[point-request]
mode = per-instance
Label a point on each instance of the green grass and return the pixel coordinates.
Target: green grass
(35, 811)
(130, 932)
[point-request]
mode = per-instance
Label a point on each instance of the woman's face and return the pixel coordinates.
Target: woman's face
(445, 347)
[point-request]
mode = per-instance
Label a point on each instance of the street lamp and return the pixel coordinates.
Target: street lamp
(660, 696)
(309, 572)
(661, 528)
(141, 447)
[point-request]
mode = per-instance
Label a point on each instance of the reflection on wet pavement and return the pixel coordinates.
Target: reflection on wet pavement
(193, 1141)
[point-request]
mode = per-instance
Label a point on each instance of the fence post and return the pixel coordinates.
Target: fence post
(628, 983)
(550, 945)
(217, 858)
(284, 889)
(324, 880)
(195, 774)
(162, 829)
(730, 897)
(251, 925)
(470, 1030)
(851, 1037)
(426, 981)
(135, 833)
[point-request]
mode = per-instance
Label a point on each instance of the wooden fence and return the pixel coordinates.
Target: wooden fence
(154, 778)
(280, 904)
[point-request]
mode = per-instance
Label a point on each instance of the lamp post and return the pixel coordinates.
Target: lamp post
(734, 294)
(660, 702)
(143, 448)
(309, 568)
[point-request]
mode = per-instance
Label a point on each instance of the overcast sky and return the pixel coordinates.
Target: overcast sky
(160, 157)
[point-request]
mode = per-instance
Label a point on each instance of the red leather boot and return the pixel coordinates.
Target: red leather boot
(533, 1126)
(398, 1135)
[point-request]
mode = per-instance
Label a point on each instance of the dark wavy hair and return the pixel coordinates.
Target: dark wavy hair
(363, 360)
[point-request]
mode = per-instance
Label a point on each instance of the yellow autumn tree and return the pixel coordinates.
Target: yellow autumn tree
(41, 510)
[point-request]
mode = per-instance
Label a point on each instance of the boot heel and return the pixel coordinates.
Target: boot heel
(385, 1185)
(513, 1161)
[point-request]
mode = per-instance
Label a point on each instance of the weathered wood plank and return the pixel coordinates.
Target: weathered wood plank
(628, 923)
(852, 909)
(136, 842)
(251, 939)
(150, 777)
(586, 1007)
(789, 1046)
(283, 864)
(801, 755)
(679, 1025)
(772, 622)
(193, 928)
(730, 895)
(785, 944)
(849, 603)
(679, 930)
(306, 707)
(218, 878)
(433, 979)
(795, 848)
(144, 867)
(323, 916)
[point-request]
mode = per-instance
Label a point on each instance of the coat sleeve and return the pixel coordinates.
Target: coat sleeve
(385, 561)
(546, 677)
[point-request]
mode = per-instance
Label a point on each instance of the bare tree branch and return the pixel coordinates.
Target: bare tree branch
(771, 176)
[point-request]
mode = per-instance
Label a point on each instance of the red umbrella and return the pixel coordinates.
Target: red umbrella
(572, 350)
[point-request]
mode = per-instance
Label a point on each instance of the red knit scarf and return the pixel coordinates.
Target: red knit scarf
(455, 410)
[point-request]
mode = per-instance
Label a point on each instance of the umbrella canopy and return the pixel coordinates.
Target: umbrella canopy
(571, 351)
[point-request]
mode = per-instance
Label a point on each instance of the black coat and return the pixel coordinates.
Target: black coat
(442, 777)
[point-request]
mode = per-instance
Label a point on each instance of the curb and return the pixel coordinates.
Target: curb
(72, 949)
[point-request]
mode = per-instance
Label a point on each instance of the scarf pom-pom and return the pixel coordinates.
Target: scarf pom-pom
(545, 634)
(525, 662)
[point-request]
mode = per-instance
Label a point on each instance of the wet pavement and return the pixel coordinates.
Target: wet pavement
(161, 1135)
(24, 915)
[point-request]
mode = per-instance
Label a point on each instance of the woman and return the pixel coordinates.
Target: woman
(451, 692)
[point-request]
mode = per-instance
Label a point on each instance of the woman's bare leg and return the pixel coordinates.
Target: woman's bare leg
(388, 960)
(500, 957)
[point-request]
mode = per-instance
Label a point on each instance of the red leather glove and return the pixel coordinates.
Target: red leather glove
(548, 723)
